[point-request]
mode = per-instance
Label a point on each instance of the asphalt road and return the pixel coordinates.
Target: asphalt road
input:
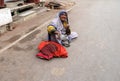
(93, 56)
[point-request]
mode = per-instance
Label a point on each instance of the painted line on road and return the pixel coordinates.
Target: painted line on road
(46, 23)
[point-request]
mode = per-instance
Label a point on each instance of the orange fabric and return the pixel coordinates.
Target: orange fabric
(61, 51)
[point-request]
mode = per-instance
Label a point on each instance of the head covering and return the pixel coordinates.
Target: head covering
(62, 13)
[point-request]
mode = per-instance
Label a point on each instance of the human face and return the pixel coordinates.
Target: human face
(63, 17)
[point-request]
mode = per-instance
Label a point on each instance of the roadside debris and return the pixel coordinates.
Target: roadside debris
(53, 5)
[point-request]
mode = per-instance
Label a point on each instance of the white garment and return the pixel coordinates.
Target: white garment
(73, 35)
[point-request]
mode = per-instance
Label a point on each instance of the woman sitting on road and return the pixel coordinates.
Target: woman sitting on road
(59, 30)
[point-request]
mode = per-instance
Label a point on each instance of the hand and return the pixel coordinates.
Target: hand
(58, 34)
(68, 31)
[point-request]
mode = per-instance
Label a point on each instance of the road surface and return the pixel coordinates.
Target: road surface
(93, 56)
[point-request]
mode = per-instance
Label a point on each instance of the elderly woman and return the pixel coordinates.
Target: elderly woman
(59, 30)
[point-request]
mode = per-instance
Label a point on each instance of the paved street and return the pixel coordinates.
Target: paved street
(93, 56)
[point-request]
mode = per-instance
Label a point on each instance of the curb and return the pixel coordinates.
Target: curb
(27, 17)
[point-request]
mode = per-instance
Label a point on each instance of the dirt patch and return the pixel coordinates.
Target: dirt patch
(0, 47)
(14, 38)
(2, 59)
(31, 29)
(29, 48)
(18, 48)
(30, 37)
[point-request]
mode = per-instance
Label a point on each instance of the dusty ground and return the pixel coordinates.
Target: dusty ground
(93, 56)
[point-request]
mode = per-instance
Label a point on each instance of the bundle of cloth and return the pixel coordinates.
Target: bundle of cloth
(49, 50)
